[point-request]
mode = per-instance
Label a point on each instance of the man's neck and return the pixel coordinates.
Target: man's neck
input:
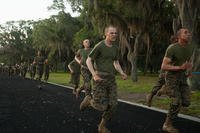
(108, 43)
(183, 43)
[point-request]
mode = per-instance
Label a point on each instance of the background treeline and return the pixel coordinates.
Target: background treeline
(145, 27)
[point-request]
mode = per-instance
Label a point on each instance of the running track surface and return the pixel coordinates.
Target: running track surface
(54, 109)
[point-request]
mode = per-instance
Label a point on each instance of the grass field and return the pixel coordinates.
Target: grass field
(141, 88)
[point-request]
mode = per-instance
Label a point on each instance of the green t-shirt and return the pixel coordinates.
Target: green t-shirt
(179, 54)
(83, 53)
(75, 66)
(103, 57)
(39, 60)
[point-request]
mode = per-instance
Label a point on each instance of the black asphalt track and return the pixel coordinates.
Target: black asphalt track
(54, 109)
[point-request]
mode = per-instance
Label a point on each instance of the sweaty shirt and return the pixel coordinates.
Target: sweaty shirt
(39, 60)
(179, 54)
(83, 53)
(103, 57)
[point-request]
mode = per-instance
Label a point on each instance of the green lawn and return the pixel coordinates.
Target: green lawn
(143, 86)
(59, 78)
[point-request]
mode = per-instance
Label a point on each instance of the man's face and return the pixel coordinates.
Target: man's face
(111, 34)
(86, 43)
(185, 35)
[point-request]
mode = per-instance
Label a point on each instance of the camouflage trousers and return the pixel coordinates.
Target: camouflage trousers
(32, 73)
(159, 84)
(104, 96)
(23, 72)
(179, 92)
(75, 80)
(87, 76)
(10, 72)
(39, 71)
(46, 76)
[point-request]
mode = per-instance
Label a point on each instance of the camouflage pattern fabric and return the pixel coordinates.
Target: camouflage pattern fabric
(159, 83)
(39, 67)
(75, 79)
(46, 72)
(39, 71)
(87, 76)
(10, 71)
(32, 71)
(24, 67)
(178, 89)
(105, 95)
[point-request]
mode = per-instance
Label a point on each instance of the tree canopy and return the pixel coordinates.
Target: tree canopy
(145, 27)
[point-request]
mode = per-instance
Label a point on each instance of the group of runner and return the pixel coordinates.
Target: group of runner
(37, 69)
(17, 69)
(101, 63)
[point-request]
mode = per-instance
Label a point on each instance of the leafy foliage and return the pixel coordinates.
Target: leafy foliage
(16, 41)
(55, 36)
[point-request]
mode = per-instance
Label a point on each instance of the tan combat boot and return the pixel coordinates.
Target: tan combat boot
(78, 91)
(149, 98)
(85, 103)
(102, 128)
(168, 127)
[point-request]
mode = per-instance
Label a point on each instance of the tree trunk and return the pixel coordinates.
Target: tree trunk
(134, 56)
(189, 14)
(194, 81)
(147, 41)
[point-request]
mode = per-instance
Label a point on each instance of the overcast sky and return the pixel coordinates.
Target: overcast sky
(26, 10)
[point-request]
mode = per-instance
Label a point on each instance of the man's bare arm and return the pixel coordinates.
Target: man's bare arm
(77, 60)
(91, 68)
(119, 69)
(166, 65)
(71, 70)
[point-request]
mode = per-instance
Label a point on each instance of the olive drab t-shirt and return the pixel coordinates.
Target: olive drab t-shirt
(75, 66)
(179, 54)
(39, 60)
(83, 53)
(103, 57)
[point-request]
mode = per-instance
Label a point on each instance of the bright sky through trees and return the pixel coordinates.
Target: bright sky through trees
(26, 10)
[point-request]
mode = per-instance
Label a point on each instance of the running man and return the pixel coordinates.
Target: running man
(176, 62)
(104, 97)
(81, 57)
